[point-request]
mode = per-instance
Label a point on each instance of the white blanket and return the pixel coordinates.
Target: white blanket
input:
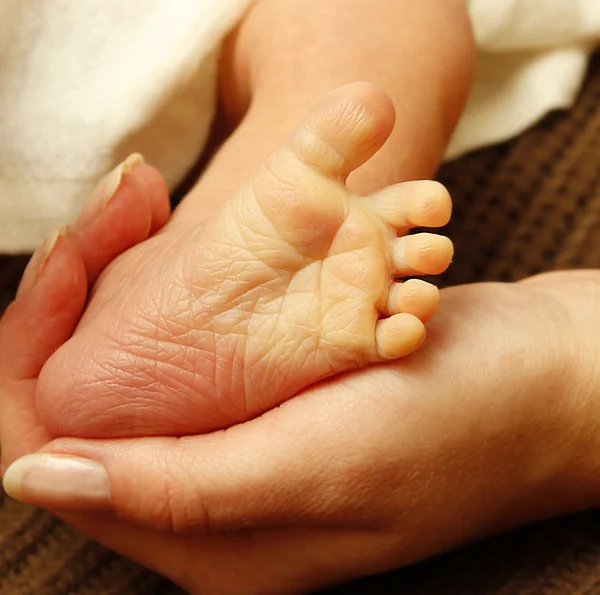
(84, 83)
(532, 59)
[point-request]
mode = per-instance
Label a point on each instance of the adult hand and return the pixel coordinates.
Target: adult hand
(490, 425)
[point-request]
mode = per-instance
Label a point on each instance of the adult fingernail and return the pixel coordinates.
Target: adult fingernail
(40, 259)
(50, 244)
(107, 188)
(58, 482)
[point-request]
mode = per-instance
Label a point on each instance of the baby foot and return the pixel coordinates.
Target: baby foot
(290, 282)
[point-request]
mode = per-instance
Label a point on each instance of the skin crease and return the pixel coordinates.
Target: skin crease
(436, 410)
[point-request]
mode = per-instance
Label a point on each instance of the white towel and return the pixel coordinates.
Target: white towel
(83, 84)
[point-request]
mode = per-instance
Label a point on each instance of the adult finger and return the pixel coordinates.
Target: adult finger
(128, 206)
(50, 301)
(251, 562)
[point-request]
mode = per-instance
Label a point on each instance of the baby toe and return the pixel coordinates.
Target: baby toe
(398, 336)
(422, 254)
(345, 129)
(413, 204)
(416, 297)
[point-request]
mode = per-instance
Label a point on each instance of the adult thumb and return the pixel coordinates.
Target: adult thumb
(279, 470)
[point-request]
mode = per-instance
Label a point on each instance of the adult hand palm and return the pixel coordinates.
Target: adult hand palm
(363, 473)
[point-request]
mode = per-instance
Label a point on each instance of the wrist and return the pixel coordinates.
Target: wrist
(580, 476)
(569, 409)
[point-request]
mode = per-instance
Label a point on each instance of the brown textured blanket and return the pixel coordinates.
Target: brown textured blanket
(524, 207)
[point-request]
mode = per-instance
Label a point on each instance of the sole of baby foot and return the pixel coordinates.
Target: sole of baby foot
(292, 281)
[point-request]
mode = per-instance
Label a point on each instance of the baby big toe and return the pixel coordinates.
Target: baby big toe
(344, 130)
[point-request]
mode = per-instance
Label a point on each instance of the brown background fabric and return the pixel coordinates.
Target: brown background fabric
(527, 206)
